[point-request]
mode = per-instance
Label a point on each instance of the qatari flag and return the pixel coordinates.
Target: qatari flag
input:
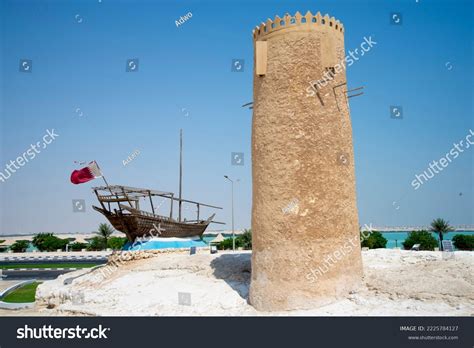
(91, 172)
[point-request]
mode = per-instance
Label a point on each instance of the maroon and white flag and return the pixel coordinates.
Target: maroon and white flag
(91, 172)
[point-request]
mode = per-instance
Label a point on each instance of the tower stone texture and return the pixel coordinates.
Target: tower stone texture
(306, 245)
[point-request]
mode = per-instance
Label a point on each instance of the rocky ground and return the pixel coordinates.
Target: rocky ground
(396, 283)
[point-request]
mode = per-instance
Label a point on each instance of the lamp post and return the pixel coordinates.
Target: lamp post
(233, 233)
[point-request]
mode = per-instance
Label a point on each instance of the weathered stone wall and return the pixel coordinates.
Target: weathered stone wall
(304, 200)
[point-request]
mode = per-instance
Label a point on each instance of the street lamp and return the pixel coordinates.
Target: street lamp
(233, 233)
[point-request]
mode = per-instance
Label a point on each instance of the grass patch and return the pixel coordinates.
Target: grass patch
(48, 265)
(23, 294)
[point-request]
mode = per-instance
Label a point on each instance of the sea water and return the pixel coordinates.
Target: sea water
(396, 238)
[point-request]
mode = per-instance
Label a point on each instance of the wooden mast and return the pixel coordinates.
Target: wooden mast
(107, 185)
(180, 171)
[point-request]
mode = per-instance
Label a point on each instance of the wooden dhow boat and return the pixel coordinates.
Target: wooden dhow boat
(121, 206)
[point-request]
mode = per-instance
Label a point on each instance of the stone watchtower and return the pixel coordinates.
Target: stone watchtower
(306, 245)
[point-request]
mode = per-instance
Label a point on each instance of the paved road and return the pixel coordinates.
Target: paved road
(51, 257)
(4, 284)
(24, 266)
(52, 261)
(40, 274)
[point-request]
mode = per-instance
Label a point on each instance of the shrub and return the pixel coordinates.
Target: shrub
(49, 242)
(96, 244)
(463, 242)
(424, 238)
(374, 240)
(77, 246)
(20, 246)
(246, 239)
(243, 241)
(227, 244)
(116, 243)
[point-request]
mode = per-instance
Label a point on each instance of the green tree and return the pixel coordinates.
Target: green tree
(242, 241)
(116, 243)
(373, 240)
(226, 244)
(3, 248)
(49, 242)
(104, 232)
(464, 242)
(20, 246)
(441, 227)
(246, 239)
(424, 238)
(96, 244)
(78, 246)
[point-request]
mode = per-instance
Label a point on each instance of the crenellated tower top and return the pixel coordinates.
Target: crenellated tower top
(309, 21)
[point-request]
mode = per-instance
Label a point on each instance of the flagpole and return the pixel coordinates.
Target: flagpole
(106, 183)
(180, 171)
(102, 176)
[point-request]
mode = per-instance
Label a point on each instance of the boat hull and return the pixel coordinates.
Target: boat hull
(138, 225)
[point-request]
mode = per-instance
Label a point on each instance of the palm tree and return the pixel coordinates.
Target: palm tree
(105, 231)
(441, 227)
(246, 239)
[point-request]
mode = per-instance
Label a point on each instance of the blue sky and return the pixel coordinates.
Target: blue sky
(79, 87)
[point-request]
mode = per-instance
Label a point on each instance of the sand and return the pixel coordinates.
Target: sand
(395, 283)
